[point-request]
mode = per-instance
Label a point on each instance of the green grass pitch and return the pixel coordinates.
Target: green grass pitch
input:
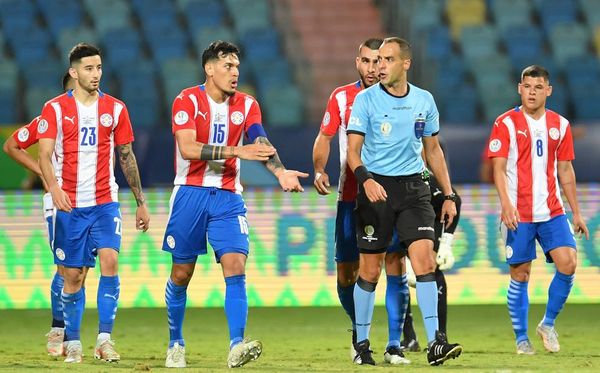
(303, 340)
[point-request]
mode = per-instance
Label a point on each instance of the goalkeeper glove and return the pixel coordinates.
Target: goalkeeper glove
(444, 257)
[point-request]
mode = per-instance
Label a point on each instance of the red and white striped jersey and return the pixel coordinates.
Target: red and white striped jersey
(215, 124)
(27, 135)
(336, 118)
(533, 149)
(85, 140)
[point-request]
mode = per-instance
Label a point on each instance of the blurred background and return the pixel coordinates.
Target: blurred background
(468, 53)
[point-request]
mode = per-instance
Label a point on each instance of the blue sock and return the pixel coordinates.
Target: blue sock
(518, 308)
(364, 300)
(175, 298)
(346, 296)
(73, 305)
(427, 297)
(236, 307)
(558, 292)
(108, 296)
(396, 301)
(56, 287)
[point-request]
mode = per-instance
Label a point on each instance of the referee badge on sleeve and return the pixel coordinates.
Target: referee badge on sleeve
(419, 126)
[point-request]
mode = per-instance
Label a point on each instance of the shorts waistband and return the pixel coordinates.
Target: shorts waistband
(403, 178)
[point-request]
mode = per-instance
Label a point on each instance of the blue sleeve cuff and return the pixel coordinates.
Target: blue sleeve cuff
(255, 130)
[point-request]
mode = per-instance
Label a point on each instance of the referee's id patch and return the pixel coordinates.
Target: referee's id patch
(419, 126)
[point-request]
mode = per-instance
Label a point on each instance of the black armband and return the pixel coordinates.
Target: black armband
(362, 174)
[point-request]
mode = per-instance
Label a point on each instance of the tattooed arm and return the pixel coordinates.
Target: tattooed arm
(288, 179)
(191, 149)
(132, 175)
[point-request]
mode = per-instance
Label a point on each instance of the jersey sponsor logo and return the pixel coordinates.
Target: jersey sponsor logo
(425, 229)
(70, 119)
(386, 128)
(171, 241)
(524, 133)
(326, 118)
(402, 108)
(219, 118)
(60, 254)
(495, 145)
(181, 118)
(554, 134)
(23, 134)
(106, 120)
(42, 126)
(237, 118)
(509, 252)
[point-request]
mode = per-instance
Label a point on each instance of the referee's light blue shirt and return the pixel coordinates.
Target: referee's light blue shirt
(393, 127)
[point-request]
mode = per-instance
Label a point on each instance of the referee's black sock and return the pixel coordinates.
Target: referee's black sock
(440, 280)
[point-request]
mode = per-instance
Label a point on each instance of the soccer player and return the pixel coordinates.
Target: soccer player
(530, 146)
(390, 124)
(77, 133)
(15, 147)
(347, 254)
(209, 122)
(442, 245)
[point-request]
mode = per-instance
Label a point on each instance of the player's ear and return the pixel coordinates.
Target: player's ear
(549, 91)
(519, 88)
(73, 73)
(209, 69)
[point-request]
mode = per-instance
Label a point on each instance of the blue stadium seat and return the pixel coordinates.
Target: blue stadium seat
(279, 75)
(109, 15)
(582, 70)
(61, 14)
(201, 14)
(545, 60)
(559, 100)
(16, 16)
(498, 98)
(35, 99)
(569, 40)
(260, 44)
(34, 45)
(585, 99)
(249, 14)
(44, 75)
(168, 42)
(458, 104)
(479, 41)
(591, 12)
(425, 14)
(204, 37)
(177, 74)
(522, 42)
(70, 37)
(556, 12)
(438, 43)
(283, 106)
(511, 13)
(8, 106)
(451, 74)
(121, 46)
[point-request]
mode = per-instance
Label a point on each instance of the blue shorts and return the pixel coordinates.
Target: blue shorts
(346, 249)
(78, 234)
(520, 244)
(198, 213)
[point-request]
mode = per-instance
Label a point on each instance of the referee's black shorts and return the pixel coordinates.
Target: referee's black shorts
(407, 209)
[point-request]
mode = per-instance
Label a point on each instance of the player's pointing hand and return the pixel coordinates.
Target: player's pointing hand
(255, 152)
(289, 182)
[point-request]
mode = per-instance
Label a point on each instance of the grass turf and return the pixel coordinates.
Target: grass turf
(303, 340)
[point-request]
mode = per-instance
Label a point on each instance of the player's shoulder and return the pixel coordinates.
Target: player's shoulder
(420, 92)
(511, 113)
(353, 87)
(62, 99)
(243, 96)
(561, 119)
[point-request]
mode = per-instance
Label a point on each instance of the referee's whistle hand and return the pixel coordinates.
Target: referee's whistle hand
(448, 213)
(374, 191)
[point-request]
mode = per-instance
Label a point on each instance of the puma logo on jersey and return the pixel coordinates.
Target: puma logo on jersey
(71, 119)
(203, 114)
(106, 295)
(524, 133)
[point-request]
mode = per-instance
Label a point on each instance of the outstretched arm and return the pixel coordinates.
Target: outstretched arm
(288, 179)
(132, 175)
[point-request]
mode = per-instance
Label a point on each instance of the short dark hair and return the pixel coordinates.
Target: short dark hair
(372, 43)
(405, 48)
(65, 80)
(217, 49)
(536, 71)
(82, 50)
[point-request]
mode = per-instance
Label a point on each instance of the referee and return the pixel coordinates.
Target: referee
(390, 124)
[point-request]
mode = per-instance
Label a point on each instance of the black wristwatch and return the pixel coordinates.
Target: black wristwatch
(451, 197)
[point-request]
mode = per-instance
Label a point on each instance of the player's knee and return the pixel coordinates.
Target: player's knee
(346, 276)
(371, 273)
(520, 276)
(568, 267)
(181, 276)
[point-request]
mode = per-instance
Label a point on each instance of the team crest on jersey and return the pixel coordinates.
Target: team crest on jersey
(181, 118)
(237, 118)
(60, 254)
(509, 252)
(495, 145)
(386, 128)
(326, 118)
(554, 134)
(42, 126)
(171, 241)
(23, 135)
(106, 120)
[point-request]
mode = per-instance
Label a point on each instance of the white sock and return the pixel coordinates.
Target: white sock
(103, 337)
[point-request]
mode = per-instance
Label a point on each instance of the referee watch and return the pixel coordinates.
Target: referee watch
(451, 197)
